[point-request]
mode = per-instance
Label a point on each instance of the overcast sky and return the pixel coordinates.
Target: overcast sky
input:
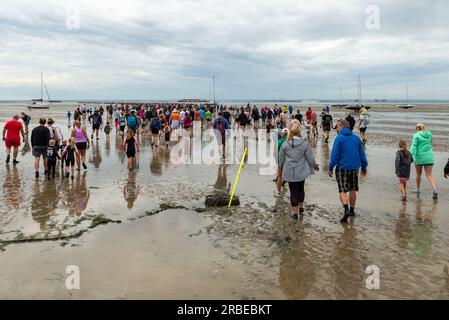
(256, 49)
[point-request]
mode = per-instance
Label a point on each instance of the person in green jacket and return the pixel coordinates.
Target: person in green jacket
(423, 157)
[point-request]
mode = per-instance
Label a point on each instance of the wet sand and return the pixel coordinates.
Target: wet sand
(169, 246)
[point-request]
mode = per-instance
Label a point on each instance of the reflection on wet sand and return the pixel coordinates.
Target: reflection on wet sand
(156, 162)
(421, 241)
(95, 155)
(221, 184)
(349, 264)
(75, 195)
(26, 147)
(131, 190)
(44, 201)
(403, 228)
(12, 188)
(119, 149)
(325, 157)
(298, 267)
(107, 147)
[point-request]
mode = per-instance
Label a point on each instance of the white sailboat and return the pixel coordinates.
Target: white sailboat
(407, 105)
(40, 103)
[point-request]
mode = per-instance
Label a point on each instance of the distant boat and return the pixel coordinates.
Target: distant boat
(407, 105)
(40, 103)
(357, 107)
(359, 104)
(341, 105)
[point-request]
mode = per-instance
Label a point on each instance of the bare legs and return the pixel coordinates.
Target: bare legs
(352, 198)
(131, 163)
(403, 189)
(80, 157)
(429, 176)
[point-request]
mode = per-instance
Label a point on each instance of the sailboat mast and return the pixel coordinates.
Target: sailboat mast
(42, 87)
(360, 91)
(341, 99)
(213, 80)
(46, 90)
(406, 88)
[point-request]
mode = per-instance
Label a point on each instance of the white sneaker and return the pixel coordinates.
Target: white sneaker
(417, 191)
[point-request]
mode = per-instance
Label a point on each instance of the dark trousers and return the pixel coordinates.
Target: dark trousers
(297, 193)
(51, 167)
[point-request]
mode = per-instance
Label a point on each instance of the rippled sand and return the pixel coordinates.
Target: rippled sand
(168, 246)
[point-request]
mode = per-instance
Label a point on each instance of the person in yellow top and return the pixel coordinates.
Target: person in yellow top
(284, 108)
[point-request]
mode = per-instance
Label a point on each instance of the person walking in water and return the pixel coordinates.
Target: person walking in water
(69, 116)
(11, 135)
(26, 121)
(82, 144)
(402, 165)
(220, 125)
(423, 157)
(52, 156)
(96, 121)
(40, 136)
(69, 154)
(363, 124)
(347, 158)
(296, 164)
(326, 124)
(131, 145)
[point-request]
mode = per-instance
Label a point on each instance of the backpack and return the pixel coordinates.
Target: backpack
(327, 121)
(365, 120)
(156, 124)
(132, 122)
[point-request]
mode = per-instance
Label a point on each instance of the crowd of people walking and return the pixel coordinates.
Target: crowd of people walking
(162, 121)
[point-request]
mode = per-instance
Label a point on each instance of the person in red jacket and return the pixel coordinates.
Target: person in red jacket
(11, 135)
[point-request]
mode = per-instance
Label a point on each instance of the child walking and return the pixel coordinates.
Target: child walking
(69, 157)
(52, 158)
(61, 149)
(131, 146)
(107, 129)
(403, 163)
(167, 132)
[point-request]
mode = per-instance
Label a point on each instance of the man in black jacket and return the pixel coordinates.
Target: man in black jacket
(40, 136)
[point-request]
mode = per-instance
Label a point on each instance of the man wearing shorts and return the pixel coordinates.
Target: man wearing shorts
(326, 124)
(40, 136)
(11, 135)
(96, 121)
(347, 157)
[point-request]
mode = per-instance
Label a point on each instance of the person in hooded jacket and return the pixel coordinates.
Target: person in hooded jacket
(296, 164)
(347, 157)
(421, 151)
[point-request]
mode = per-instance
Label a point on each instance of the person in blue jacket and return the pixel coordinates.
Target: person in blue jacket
(347, 158)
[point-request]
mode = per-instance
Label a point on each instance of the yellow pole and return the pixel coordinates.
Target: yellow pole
(237, 178)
